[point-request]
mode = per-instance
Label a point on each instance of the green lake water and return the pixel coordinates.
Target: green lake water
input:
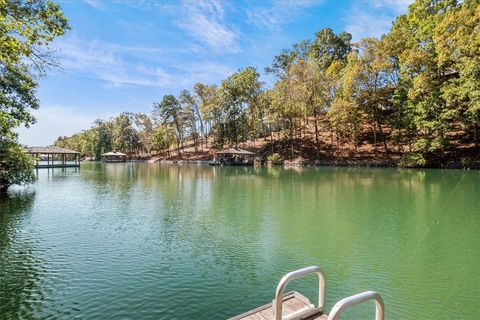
(151, 241)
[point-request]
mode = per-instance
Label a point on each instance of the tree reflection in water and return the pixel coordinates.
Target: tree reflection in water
(19, 272)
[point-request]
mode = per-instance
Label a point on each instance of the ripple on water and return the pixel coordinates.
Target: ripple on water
(143, 241)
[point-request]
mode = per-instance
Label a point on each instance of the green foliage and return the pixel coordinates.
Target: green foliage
(275, 159)
(287, 57)
(16, 166)
(238, 101)
(127, 132)
(437, 51)
(26, 30)
(192, 115)
(124, 135)
(413, 160)
(345, 118)
(329, 47)
(170, 113)
(457, 39)
(17, 96)
(466, 162)
(163, 138)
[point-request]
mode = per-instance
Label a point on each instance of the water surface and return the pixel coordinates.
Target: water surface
(150, 241)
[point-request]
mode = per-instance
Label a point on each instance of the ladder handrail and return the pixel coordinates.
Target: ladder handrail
(341, 305)
(277, 303)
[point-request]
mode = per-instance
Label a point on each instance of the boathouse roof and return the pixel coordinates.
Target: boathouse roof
(51, 150)
(114, 153)
(234, 151)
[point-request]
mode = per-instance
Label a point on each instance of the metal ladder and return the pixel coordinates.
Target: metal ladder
(338, 308)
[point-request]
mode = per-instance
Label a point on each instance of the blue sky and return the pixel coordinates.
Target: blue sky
(125, 55)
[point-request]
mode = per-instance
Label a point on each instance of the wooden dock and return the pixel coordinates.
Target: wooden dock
(295, 306)
(55, 157)
(233, 157)
(58, 165)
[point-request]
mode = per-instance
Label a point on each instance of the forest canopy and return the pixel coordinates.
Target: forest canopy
(416, 89)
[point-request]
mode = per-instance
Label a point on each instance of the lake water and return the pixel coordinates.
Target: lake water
(151, 241)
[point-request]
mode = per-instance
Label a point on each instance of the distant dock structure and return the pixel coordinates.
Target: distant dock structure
(114, 156)
(233, 157)
(54, 157)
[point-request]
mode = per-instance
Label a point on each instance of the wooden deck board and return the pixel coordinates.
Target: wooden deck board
(318, 317)
(293, 302)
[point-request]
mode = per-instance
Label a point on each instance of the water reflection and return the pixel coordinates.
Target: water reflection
(131, 240)
(20, 274)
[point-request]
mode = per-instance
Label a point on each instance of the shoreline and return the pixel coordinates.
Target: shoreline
(393, 164)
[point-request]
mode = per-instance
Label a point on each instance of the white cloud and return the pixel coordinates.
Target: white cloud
(97, 4)
(277, 13)
(113, 63)
(119, 65)
(373, 18)
(397, 6)
(55, 121)
(365, 25)
(205, 71)
(205, 21)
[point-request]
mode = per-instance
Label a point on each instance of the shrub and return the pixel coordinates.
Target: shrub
(413, 160)
(16, 166)
(275, 159)
(466, 162)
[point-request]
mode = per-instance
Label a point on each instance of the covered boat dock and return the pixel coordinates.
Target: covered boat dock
(54, 157)
(233, 157)
(114, 156)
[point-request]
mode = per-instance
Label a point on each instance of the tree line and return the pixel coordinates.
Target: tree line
(421, 81)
